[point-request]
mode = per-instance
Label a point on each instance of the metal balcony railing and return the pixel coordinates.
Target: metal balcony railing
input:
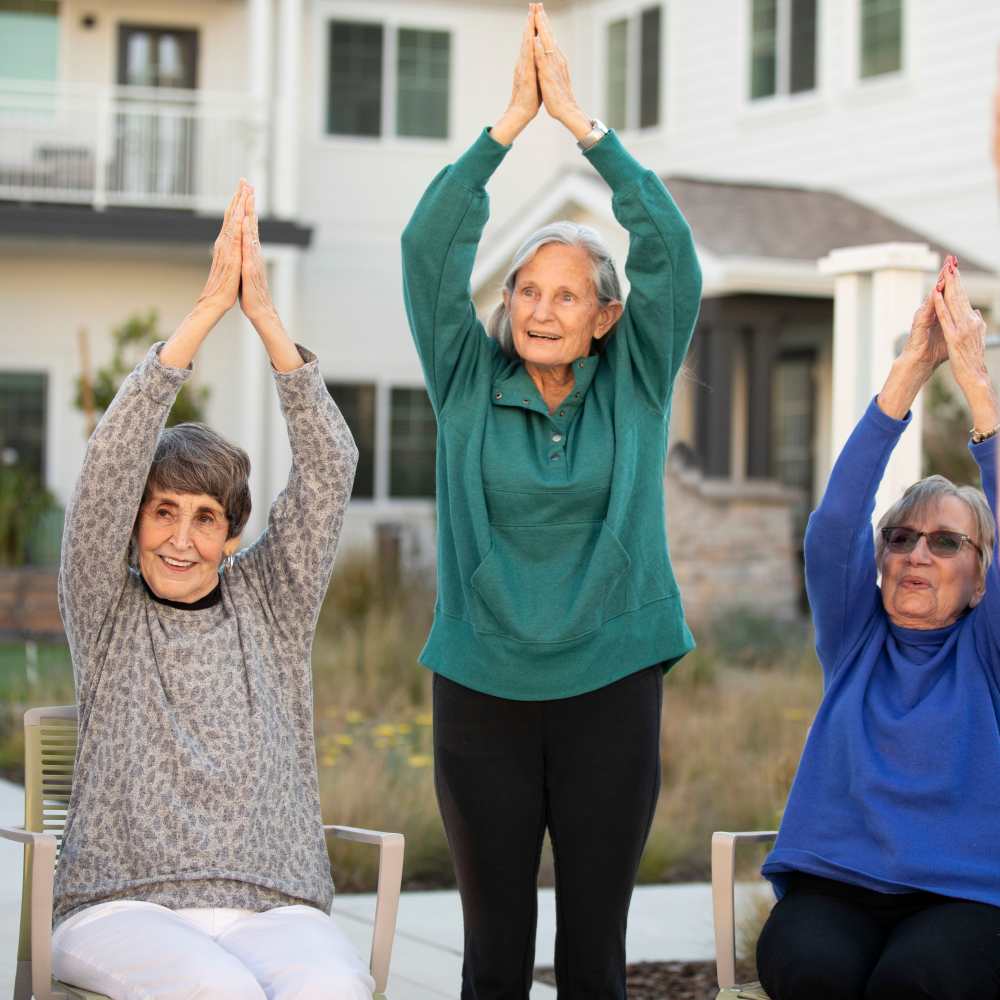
(137, 146)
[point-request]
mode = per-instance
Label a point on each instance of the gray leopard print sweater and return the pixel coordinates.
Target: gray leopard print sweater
(196, 778)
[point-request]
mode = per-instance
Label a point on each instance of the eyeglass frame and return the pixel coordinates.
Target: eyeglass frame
(975, 546)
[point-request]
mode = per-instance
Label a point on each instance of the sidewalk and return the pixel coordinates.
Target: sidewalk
(666, 922)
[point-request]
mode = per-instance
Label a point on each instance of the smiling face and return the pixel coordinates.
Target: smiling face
(921, 590)
(554, 311)
(182, 540)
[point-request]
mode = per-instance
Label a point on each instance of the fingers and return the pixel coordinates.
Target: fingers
(544, 29)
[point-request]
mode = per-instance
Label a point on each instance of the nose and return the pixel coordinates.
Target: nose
(182, 533)
(543, 309)
(921, 554)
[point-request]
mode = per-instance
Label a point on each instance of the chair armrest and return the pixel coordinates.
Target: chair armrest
(723, 906)
(43, 863)
(390, 878)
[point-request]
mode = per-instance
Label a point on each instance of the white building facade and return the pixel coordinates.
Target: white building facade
(124, 125)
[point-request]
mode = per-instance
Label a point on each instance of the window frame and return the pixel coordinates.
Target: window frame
(905, 54)
(782, 95)
(632, 11)
(392, 21)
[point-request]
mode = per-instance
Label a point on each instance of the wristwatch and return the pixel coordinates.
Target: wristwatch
(978, 437)
(598, 130)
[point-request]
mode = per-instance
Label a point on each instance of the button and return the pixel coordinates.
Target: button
(576, 395)
(557, 438)
(580, 365)
(525, 401)
(499, 395)
(555, 457)
(562, 413)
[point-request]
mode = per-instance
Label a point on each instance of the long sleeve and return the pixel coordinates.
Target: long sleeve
(662, 269)
(101, 513)
(439, 250)
(288, 568)
(987, 614)
(839, 546)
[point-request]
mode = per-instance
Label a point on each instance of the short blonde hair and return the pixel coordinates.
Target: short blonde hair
(929, 491)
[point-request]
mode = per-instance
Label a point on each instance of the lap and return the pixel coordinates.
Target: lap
(130, 949)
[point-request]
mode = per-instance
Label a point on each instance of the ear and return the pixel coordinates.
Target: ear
(232, 545)
(607, 316)
(506, 299)
(979, 594)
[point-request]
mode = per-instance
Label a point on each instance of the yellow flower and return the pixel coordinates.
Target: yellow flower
(403, 728)
(424, 719)
(344, 739)
(328, 760)
(386, 729)
(354, 717)
(419, 760)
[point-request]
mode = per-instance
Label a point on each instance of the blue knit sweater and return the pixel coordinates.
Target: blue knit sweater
(899, 783)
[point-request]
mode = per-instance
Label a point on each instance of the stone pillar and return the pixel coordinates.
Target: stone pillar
(286, 119)
(877, 289)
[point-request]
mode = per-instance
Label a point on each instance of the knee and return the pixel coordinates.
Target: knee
(319, 984)
(223, 984)
(797, 978)
(914, 978)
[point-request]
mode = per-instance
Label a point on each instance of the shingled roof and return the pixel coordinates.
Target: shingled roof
(763, 220)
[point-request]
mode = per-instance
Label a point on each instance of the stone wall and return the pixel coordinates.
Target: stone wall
(732, 545)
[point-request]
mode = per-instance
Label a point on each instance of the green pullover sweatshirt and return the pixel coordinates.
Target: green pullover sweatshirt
(553, 572)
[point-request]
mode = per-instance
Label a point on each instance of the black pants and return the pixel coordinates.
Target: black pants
(828, 940)
(588, 769)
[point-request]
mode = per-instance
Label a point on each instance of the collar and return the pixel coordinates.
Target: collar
(514, 387)
(213, 597)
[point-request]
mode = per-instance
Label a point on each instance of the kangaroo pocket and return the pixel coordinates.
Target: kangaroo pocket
(550, 583)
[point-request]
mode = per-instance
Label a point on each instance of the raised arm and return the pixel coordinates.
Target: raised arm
(101, 513)
(440, 241)
(662, 267)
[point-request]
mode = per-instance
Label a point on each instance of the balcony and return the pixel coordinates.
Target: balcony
(129, 147)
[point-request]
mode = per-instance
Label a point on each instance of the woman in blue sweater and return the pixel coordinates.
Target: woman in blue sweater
(887, 865)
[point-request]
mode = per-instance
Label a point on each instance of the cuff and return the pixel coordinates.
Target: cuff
(883, 421)
(158, 381)
(614, 162)
(477, 164)
(303, 385)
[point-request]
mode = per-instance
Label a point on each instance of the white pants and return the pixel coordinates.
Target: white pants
(131, 950)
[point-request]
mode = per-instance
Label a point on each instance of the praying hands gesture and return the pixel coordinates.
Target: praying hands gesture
(541, 76)
(237, 272)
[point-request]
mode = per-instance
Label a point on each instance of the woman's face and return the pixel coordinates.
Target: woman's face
(922, 590)
(182, 542)
(554, 312)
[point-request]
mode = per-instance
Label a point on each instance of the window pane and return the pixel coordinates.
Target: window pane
(412, 440)
(881, 37)
(649, 78)
(422, 73)
(22, 421)
(763, 51)
(803, 54)
(617, 90)
(29, 39)
(354, 100)
(357, 404)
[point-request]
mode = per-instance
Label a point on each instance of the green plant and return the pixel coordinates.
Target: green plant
(24, 501)
(131, 340)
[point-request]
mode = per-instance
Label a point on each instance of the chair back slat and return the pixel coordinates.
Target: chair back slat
(49, 759)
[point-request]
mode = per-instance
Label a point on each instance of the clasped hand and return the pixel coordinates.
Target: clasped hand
(238, 270)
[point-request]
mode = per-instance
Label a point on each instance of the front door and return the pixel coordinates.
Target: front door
(156, 132)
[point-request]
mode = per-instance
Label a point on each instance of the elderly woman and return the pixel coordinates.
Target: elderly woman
(557, 610)
(887, 863)
(194, 862)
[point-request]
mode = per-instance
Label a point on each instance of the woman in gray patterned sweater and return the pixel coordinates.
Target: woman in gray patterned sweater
(194, 863)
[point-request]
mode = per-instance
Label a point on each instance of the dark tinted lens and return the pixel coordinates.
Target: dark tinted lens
(944, 543)
(901, 539)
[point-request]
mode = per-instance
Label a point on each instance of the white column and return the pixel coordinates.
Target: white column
(259, 73)
(253, 394)
(285, 156)
(876, 291)
(283, 279)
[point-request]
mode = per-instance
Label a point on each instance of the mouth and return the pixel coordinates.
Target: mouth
(176, 565)
(914, 583)
(542, 336)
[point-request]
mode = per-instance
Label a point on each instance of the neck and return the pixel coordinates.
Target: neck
(554, 382)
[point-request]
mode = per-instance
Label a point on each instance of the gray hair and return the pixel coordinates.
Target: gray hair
(928, 492)
(192, 458)
(570, 234)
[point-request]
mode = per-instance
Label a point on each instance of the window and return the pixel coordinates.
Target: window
(357, 404)
(412, 440)
(881, 37)
(29, 39)
(22, 422)
(633, 79)
(782, 47)
(385, 80)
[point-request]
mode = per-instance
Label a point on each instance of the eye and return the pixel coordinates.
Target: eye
(528, 292)
(206, 518)
(568, 297)
(164, 513)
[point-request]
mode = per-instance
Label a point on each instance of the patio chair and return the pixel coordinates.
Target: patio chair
(724, 912)
(49, 758)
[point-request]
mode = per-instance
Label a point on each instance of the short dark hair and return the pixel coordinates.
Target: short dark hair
(192, 458)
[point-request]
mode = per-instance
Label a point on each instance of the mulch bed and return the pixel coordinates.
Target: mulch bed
(662, 980)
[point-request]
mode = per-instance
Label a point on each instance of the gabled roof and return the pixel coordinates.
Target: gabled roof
(751, 237)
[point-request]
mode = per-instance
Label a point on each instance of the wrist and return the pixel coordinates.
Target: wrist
(576, 121)
(509, 126)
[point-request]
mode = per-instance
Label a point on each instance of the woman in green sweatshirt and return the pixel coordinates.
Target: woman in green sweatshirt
(557, 610)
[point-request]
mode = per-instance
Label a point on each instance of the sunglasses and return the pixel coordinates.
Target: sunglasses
(944, 544)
